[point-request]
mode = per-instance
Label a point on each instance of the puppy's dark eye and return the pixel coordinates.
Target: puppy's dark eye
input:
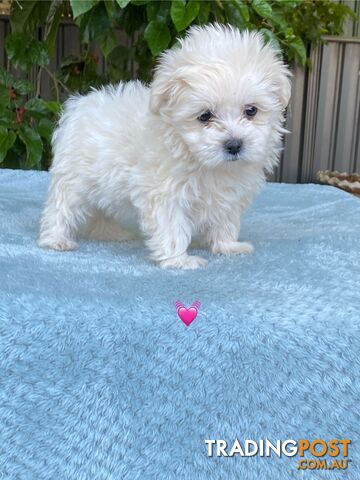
(205, 117)
(251, 111)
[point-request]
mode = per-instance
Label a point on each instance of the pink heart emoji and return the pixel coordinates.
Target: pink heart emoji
(187, 315)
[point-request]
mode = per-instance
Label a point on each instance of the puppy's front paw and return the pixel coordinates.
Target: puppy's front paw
(232, 248)
(61, 244)
(186, 262)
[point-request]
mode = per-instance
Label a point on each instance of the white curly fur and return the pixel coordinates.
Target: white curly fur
(135, 153)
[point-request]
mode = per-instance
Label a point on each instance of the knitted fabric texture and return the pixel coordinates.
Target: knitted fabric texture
(100, 379)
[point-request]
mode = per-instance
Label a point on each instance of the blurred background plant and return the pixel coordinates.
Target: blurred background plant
(26, 121)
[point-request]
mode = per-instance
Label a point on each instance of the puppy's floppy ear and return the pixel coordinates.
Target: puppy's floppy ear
(160, 92)
(165, 87)
(284, 86)
(168, 81)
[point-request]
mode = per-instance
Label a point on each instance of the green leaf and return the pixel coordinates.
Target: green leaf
(25, 52)
(38, 54)
(123, 3)
(271, 38)
(262, 8)
(242, 9)
(140, 2)
(244, 12)
(293, 3)
(79, 7)
(27, 15)
(37, 107)
(234, 16)
(15, 45)
(182, 13)
(34, 146)
(4, 97)
(22, 87)
(6, 78)
(54, 107)
(159, 11)
(297, 45)
(45, 128)
(7, 140)
(110, 6)
(152, 10)
(95, 23)
(52, 24)
(204, 12)
(278, 19)
(108, 42)
(8, 118)
(157, 36)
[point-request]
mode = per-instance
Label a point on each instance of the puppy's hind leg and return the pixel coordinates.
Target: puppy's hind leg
(106, 229)
(64, 212)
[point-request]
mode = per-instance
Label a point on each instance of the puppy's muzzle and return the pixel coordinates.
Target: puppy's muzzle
(233, 146)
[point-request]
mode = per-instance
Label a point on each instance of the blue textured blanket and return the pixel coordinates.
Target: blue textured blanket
(100, 379)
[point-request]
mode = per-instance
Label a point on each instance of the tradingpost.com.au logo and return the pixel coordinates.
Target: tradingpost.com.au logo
(327, 455)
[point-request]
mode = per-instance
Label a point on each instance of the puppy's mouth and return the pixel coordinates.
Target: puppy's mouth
(233, 158)
(229, 158)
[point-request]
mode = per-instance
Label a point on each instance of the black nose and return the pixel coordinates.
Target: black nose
(233, 146)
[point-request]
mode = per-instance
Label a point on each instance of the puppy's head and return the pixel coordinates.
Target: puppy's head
(225, 93)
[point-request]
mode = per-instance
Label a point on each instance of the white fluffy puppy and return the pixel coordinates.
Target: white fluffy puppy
(182, 157)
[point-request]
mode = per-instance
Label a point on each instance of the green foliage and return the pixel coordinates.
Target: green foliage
(24, 52)
(79, 7)
(150, 26)
(25, 125)
(184, 13)
(157, 36)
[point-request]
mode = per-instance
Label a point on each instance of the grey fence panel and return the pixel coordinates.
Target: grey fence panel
(68, 43)
(352, 28)
(348, 112)
(330, 126)
(4, 30)
(327, 108)
(356, 162)
(70, 40)
(291, 160)
(308, 134)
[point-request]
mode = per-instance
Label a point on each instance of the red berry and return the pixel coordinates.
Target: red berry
(20, 112)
